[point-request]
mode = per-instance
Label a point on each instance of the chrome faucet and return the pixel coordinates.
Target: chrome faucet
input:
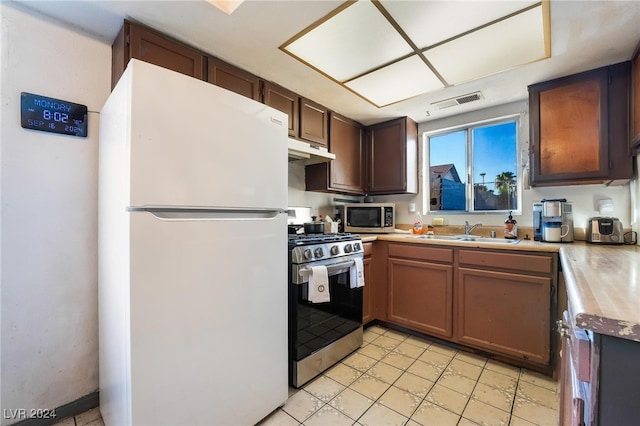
(468, 228)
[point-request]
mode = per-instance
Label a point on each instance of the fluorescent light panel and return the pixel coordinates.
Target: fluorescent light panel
(401, 80)
(355, 41)
(430, 22)
(361, 49)
(504, 45)
(227, 6)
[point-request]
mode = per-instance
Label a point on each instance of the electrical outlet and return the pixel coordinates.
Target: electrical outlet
(412, 207)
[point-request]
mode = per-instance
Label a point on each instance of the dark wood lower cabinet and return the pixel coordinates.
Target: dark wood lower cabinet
(420, 296)
(599, 378)
(420, 288)
(368, 290)
(500, 302)
(505, 312)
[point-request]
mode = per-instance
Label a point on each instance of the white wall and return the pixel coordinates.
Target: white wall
(319, 202)
(584, 197)
(49, 345)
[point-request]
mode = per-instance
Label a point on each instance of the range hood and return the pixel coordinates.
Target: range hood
(299, 150)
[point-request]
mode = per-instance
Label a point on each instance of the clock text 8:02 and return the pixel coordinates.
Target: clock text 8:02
(55, 116)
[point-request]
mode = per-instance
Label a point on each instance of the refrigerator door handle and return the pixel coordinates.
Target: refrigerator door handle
(205, 213)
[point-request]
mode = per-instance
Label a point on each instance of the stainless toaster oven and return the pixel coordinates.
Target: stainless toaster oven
(604, 230)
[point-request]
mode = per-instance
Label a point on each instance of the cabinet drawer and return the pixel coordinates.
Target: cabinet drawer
(435, 254)
(368, 249)
(580, 348)
(514, 261)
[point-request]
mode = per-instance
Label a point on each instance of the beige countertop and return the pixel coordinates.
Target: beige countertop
(602, 281)
(497, 243)
(603, 288)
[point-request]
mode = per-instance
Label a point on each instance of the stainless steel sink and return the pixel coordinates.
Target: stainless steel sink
(435, 237)
(472, 238)
(466, 238)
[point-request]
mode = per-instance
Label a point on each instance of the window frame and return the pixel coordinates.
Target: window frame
(468, 172)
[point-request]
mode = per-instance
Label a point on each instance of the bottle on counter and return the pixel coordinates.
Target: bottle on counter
(510, 228)
(417, 225)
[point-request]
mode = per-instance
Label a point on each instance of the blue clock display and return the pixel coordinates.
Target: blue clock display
(53, 115)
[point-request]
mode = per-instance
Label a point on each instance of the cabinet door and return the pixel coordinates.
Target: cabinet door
(346, 143)
(505, 312)
(368, 290)
(232, 78)
(572, 402)
(283, 100)
(420, 296)
(569, 125)
(314, 122)
(345, 173)
(392, 157)
(150, 46)
(635, 99)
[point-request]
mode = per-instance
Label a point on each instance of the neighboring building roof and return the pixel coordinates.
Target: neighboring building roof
(443, 170)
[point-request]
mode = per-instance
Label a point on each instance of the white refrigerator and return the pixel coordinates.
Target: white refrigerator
(192, 253)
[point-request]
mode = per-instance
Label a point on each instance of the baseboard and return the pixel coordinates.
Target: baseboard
(71, 409)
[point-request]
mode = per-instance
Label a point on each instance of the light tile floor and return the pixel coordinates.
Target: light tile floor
(399, 379)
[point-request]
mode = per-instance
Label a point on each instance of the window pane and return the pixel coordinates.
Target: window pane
(494, 167)
(447, 167)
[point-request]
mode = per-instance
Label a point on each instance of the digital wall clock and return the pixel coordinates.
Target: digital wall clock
(53, 115)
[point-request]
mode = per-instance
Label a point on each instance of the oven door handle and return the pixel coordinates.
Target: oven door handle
(331, 268)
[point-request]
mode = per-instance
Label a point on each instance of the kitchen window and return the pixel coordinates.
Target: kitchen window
(472, 168)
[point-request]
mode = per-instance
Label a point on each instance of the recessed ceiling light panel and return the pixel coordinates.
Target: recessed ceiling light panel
(396, 82)
(509, 43)
(356, 40)
(430, 22)
(388, 51)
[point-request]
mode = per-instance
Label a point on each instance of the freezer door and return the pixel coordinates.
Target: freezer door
(208, 319)
(190, 143)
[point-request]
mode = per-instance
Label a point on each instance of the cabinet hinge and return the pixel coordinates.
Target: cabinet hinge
(610, 165)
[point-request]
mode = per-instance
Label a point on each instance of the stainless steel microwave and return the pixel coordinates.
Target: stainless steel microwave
(375, 218)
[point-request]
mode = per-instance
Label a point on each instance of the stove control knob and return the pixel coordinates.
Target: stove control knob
(307, 254)
(335, 250)
(356, 246)
(347, 248)
(319, 252)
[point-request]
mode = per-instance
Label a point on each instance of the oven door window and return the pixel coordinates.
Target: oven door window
(365, 217)
(320, 324)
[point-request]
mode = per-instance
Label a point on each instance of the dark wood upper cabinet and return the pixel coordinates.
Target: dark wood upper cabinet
(635, 99)
(314, 122)
(579, 128)
(233, 78)
(345, 173)
(139, 42)
(391, 157)
(283, 100)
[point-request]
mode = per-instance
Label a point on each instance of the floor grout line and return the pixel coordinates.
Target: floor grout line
(379, 362)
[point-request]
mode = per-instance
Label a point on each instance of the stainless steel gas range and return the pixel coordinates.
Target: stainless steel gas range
(321, 334)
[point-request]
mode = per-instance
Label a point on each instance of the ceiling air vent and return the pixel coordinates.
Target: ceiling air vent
(447, 103)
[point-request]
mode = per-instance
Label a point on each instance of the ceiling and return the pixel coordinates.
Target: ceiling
(584, 35)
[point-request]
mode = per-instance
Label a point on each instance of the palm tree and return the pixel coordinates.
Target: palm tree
(504, 181)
